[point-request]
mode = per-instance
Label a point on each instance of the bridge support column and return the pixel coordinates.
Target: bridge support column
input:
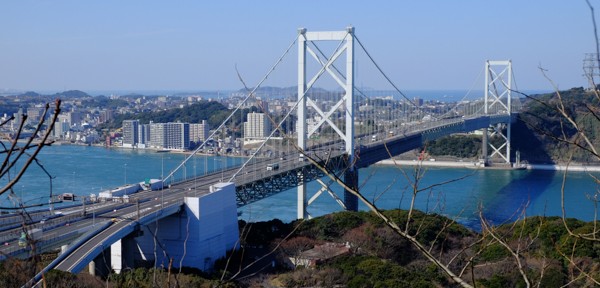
(122, 254)
(203, 232)
(92, 268)
(351, 180)
(484, 146)
(302, 201)
(99, 266)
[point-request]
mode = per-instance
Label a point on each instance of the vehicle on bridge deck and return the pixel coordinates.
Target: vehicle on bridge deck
(272, 166)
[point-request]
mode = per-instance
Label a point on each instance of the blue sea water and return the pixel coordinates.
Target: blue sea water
(501, 195)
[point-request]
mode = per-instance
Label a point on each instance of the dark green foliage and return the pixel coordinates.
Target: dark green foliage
(14, 272)
(461, 146)
(553, 277)
(429, 225)
(541, 118)
(494, 252)
(537, 125)
(332, 226)
(212, 111)
(326, 277)
(142, 278)
(582, 248)
(375, 272)
(552, 237)
(385, 259)
(262, 233)
(104, 102)
(70, 94)
(500, 281)
(58, 278)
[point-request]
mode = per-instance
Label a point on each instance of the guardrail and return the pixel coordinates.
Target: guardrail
(82, 239)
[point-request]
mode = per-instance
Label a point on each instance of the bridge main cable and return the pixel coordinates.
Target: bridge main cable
(278, 127)
(235, 110)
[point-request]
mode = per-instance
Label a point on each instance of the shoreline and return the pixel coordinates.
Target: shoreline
(436, 163)
(474, 165)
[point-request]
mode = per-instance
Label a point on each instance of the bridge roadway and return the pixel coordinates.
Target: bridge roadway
(254, 183)
(261, 183)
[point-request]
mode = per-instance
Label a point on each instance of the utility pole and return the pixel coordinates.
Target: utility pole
(83, 203)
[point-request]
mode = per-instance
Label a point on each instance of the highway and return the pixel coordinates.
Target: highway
(73, 224)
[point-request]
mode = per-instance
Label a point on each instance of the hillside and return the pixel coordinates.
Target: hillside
(540, 118)
(372, 255)
(536, 132)
(213, 112)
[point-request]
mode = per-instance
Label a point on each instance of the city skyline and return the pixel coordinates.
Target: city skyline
(191, 46)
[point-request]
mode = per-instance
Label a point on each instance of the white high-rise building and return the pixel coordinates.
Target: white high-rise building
(258, 126)
(174, 136)
(60, 129)
(130, 133)
(143, 135)
(157, 135)
(199, 131)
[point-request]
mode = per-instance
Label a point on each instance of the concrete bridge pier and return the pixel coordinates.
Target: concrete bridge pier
(100, 265)
(351, 180)
(484, 146)
(204, 230)
(122, 253)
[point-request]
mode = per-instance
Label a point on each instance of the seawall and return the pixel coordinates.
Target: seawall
(474, 165)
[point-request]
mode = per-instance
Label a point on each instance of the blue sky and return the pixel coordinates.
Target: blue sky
(196, 45)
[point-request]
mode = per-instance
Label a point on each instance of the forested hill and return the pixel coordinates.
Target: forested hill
(212, 111)
(538, 129)
(541, 118)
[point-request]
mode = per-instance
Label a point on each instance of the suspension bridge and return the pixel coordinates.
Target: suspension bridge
(318, 137)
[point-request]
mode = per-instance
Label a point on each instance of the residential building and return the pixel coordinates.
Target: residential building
(257, 126)
(130, 133)
(174, 136)
(143, 135)
(105, 116)
(199, 131)
(60, 129)
(34, 113)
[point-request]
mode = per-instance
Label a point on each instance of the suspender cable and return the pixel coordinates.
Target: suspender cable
(236, 109)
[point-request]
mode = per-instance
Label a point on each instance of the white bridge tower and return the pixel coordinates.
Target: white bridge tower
(498, 91)
(346, 82)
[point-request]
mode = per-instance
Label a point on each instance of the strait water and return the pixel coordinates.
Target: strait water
(501, 194)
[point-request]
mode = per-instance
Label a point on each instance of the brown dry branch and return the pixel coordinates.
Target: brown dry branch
(394, 226)
(587, 145)
(12, 154)
(275, 249)
(560, 108)
(582, 272)
(515, 253)
(10, 162)
(405, 233)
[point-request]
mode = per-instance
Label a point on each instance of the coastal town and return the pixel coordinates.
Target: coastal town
(90, 120)
(253, 144)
